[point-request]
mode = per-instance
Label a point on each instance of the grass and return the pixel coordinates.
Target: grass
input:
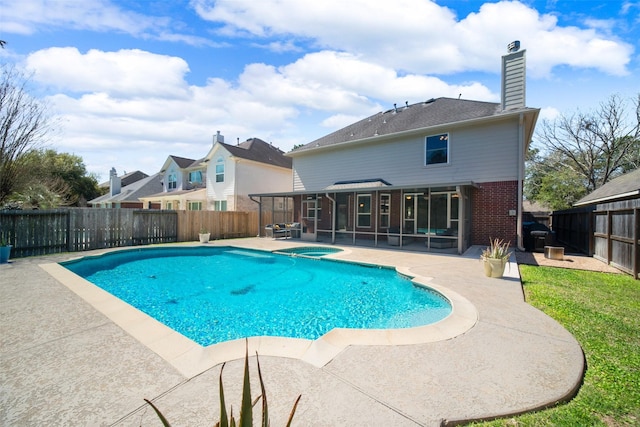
(602, 311)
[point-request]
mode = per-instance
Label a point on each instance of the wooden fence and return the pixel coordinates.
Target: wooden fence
(82, 229)
(574, 228)
(610, 233)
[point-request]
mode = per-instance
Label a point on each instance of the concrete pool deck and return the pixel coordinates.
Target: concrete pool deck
(66, 360)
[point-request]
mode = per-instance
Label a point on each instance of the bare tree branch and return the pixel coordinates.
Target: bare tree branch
(24, 125)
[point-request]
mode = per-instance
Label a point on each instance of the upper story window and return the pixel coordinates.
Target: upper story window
(172, 181)
(195, 177)
(437, 149)
(220, 170)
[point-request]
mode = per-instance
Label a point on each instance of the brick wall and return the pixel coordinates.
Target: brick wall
(490, 218)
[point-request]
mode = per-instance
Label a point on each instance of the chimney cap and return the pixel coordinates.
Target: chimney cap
(514, 46)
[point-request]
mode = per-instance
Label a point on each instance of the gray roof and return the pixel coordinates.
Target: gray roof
(433, 112)
(132, 192)
(257, 150)
(183, 162)
(127, 178)
(623, 187)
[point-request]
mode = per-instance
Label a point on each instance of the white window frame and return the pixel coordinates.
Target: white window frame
(194, 205)
(220, 173)
(172, 181)
(220, 205)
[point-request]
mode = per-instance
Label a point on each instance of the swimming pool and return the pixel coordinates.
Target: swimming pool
(216, 294)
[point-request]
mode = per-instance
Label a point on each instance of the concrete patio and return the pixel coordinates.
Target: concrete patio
(64, 362)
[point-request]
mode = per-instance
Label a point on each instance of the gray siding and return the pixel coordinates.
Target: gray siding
(513, 80)
(482, 153)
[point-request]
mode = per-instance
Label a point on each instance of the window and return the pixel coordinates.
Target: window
(364, 210)
(437, 149)
(220, 170)
(385, 210)
(169, 206)
(195, 206)
(195, 177)
(172, 181)
(220, 205)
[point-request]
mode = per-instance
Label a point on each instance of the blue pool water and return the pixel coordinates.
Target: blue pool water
(310, 251)
(216, 294)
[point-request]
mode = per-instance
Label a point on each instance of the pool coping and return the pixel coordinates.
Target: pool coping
(191, 359)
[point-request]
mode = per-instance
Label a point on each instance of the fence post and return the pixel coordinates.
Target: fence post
(635, 249)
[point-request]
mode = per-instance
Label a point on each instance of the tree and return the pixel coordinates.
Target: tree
(55, 179)
(24, 125)
(578, 153)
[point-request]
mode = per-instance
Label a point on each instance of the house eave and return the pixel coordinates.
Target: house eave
(608, 198)
(367, 189)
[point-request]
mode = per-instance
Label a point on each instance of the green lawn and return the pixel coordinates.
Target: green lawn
(603, 312)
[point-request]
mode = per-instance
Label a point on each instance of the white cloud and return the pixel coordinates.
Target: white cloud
(548, 113)
(32, 16)
(127, 73)
(96, 15)
(422, 37)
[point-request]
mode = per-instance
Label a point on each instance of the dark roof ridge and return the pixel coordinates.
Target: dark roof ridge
(257, 150)
(183, 162)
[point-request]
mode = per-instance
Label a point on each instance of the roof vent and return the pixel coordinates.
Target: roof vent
(514, 46)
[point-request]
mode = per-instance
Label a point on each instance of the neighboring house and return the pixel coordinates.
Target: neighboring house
(126, 179)
(121, 195)
(534, 211)
(182, 185)
(440, 174)
(224, 178)
(606, 223)
(623, 190)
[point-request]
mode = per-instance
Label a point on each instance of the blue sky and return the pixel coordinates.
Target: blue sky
(135, 81)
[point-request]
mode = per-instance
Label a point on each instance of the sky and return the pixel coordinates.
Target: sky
(130, 82)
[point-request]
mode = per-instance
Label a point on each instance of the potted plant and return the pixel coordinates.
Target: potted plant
(5, 250)
(495, 257)
(204, 235)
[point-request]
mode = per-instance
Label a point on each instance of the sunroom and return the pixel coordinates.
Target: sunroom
(375, 213)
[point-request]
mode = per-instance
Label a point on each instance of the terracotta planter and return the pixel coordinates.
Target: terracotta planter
(5, 253)
(204, 237)
(494, 267)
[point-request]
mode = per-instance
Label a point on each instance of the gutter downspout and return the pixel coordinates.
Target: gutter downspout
(333, 216)
(521, 156)
(259, 214)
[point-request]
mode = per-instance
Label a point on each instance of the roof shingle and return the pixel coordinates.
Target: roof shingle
(425, 114)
